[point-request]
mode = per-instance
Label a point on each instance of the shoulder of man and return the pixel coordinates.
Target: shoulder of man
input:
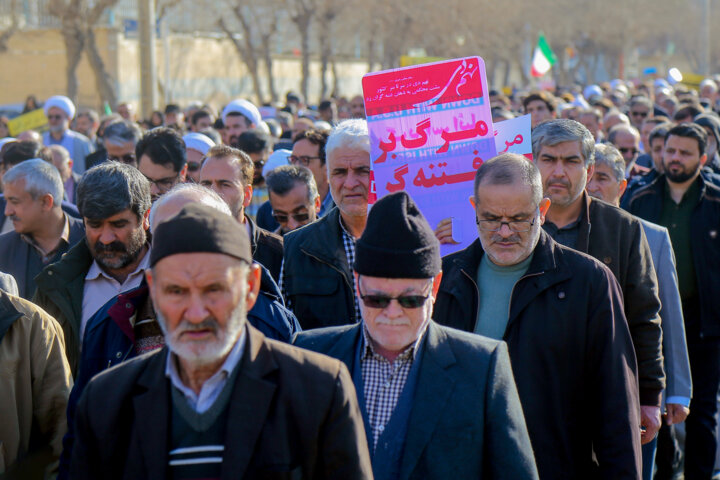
(600, 210)
(117, 381)
(320, 227)
(321, 339)
(73, 263)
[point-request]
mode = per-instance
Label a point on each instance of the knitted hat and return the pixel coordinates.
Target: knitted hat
(200, 228)
(397, 242)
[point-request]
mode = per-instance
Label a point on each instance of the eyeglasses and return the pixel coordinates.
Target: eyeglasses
(405, 301)
(284, 217)
(303, 160)
(625, 150)
(639, 114)
(54, 117)
(193, 166)
(128, 159)
(517, 226)
(163, 184)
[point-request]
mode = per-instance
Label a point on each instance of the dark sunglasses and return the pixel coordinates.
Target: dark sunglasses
(193, 167)
(639, 114)
(628, 150)
(54, 117)
(405, 301)
(283, 217)
(128, 158)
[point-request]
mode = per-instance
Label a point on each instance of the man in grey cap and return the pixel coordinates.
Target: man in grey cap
(437, 403)
(220, 400)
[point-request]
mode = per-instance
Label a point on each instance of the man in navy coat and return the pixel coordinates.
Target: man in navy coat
(437, 403)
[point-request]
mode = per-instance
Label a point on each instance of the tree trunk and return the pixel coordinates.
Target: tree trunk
(267, 56)
(103, 80)
(336, 81)
(304, 28)
(74, 46)
(371, 52)
(324, 61)
(506, 73)
(491, 71)
(248, 57)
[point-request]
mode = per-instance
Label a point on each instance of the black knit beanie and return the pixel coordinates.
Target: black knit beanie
(397, 242)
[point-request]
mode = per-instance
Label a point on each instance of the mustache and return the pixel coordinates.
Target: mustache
(210, 323)
(112, 247)
(514, 238)
(559, 181)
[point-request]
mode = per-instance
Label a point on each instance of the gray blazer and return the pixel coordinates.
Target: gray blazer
(466, 420)
(677, 365)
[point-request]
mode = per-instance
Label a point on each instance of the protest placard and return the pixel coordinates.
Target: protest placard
(35, 120)
(514, 136)
(430, 130)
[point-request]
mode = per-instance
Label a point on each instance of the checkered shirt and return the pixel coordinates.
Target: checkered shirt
(383, 382)
(349, 245)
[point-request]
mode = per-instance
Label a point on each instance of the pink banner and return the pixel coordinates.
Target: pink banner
(430, 130)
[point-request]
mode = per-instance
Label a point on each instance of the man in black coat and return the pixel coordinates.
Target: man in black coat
(317, 275)
(564, 152)
(422, 387)
(229, 172)
(560, 312)
(43, 232)
(220, 400)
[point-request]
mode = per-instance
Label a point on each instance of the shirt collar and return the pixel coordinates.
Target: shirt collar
(231, 361)
(65, 236)
(344, 230)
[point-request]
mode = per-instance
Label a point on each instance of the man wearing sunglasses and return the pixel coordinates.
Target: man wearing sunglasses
(561, 314)
(436, 403)
(60, 111)
(293, 196)
(626, 139)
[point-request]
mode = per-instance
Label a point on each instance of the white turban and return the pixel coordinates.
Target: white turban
(61, 102)
(199, 142)
(5, 140)
(277, 159)
(243, 107)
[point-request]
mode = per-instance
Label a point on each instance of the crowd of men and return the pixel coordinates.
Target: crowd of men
(207, 295)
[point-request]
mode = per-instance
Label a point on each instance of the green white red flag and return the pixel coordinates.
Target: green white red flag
(543, 58)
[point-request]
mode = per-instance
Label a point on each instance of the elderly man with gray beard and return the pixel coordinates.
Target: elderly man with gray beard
(220, 400)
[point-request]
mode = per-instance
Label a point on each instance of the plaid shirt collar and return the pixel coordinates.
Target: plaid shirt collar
(349, 246)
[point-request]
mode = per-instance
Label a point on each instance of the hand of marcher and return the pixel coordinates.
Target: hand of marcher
(650, 421)
(675, 413)
(443, 232)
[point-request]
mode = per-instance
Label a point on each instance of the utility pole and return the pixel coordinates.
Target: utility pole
(148, 62)
(705, 39)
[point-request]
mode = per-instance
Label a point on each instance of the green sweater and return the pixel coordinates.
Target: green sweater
(495, 284)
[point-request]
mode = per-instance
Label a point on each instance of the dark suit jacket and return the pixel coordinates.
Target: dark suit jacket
(267, 249)
(466, 420)
(293, 414)
(16, 253)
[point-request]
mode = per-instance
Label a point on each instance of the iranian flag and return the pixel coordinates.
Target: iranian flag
(543, 58)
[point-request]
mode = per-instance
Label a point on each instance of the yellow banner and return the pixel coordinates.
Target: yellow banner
(35, 120)
(407, 60)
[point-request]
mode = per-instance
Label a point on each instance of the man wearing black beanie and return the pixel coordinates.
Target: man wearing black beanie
(419, 384)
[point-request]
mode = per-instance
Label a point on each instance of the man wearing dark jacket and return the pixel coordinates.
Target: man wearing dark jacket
(561, 314)
(688, 205)
(114, 199)
(563, 151)
(219, 400)
(417, 381)
(229, 172)
(317, 275)
(43, 232)
(127, 325)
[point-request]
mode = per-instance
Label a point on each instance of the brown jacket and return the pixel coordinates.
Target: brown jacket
(35, 383)
(292, 414)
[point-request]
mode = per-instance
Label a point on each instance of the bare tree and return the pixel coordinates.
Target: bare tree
(12, 28)
(302, 13)
(78, 20)
(326, 15)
